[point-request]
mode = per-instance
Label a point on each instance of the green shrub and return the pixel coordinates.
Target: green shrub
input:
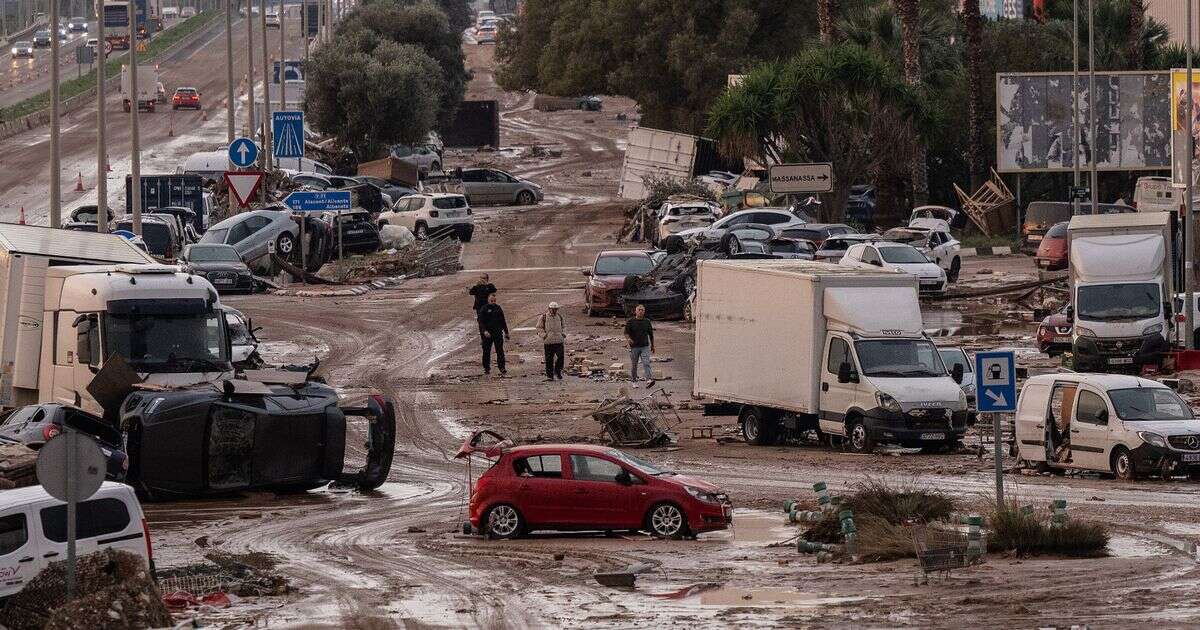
(1029, 533)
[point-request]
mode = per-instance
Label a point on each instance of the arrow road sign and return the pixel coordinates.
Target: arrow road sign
(816, 177)
(288, 133)
(996, 375)
(318, 200)
(243, 184)
(243, 152)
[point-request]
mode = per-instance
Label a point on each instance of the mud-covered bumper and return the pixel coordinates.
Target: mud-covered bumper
(1093, 353)
(1148, 458)
(704, 516)
(920, 427)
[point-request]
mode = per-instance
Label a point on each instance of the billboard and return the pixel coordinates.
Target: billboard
(1179, 126)
(1034, 131)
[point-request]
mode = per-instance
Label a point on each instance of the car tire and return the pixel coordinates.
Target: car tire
(525, 198)
(858, 438)
(421, 232)
(1122, 465)
(955, 270)
(465, 236)
(667, 520)
(733, 246)
(436, 166)
(503, 521)
(756, 428)
(285, 246)
(175, 107)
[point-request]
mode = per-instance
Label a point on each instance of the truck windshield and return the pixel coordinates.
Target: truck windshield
(168, 343)
(1149, 403)
(1116, 302)
(900, 358)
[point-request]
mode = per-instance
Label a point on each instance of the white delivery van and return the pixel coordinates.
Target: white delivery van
(1155, 194)
(1125, 425)
(33, 530)
(800, 346)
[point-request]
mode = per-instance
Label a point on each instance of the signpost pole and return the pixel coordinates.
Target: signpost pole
(997, 432)
(1189, 219)
(996, 393)
(135, 103)
(303, 246)
(72, 499)
(101, 149)
(1095, 177)
(55, 162)
(1075, 101)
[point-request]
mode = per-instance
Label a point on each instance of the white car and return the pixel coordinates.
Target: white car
(272, 19)
(897, 257)
(676, 216)
(187, 12)
(774, 217)
(424, 157)
(938, 245)
(720, 179)
(432, 213)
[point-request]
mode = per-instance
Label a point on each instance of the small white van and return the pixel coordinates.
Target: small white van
(33, 530)
(1124, 425)
(1155, 194)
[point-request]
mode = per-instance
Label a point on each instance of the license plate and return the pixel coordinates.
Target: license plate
(355, 232)
(930, 282)
(453, 213)
(1033, 238)
(1121, 361)
(1190, 457)
(933, 436)
(223, 281)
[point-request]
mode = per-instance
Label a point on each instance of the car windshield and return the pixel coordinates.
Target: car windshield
(213, 254)
(1058, 231)
(952, 357)
(902, 358)
(902, 255)
(1149, 403)
(752, 234)
(637, 463)
(215, 236)
(1116, 302)
(679, 211)
(183, 343)
(623, 265)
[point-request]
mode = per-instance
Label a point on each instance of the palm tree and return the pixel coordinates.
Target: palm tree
(1137, 23)
(910, 44)
(973, 25)
(827, 16)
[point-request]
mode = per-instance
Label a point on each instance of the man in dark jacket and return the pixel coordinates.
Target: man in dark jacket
(481, 291)
(493, 330)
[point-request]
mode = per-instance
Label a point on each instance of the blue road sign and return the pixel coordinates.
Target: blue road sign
(288, 134)
(318, 200)
(996, 381)
(125, 234)
(243, 152)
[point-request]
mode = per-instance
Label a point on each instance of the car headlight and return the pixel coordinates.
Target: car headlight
(1153, 330)
(701, 495)
(1153, 439)
(1084, 332)
(887, 403)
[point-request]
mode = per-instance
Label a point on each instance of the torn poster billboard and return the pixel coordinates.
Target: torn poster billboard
(1033, 122)
(1179, 126)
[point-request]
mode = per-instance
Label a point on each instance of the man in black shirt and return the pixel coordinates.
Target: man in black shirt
(640, 334)
(481, 291)
(493, 330)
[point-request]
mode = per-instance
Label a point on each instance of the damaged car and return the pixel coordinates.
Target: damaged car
(606, 278)
(939, 246)
(34, 425)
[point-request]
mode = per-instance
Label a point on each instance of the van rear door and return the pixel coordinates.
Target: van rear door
(110, 520)
(1031, 422)
(20, 552)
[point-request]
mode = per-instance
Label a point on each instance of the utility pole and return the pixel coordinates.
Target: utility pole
(320, 21)
(304, 27)
(135, 155)
(55, 164)
(1189, 219)
(282, 59)
(1092, 143)
(266, 72)
(249, 4)
(1075, 153)
(101, 149)
(229, 71)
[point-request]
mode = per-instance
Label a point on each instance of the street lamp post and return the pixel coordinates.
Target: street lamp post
(282, 59)
(1189, 220)
(101, 149)
(249, 4)
(1092, 141)
(135, 170)
(229, 105)
(55, 165)
(1075, 102)
(266, 72)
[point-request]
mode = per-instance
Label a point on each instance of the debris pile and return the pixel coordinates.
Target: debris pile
(113, 590)
(434, 257)
(18, 466)
(244, 575)
(634, 423)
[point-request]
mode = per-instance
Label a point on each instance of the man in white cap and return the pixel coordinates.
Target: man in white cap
(551, 328)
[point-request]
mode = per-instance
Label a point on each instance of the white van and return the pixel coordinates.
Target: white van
(1124, 425)
(213, 164)
(33, 530)
(1155, 194)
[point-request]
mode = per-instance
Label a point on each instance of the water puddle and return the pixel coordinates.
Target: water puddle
(1181, 529)
(734, 596)
(954, 323)
(1131, 547)
(756, 527)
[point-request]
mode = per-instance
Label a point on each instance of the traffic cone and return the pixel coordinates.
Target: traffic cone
(78, 181)
(21, 219)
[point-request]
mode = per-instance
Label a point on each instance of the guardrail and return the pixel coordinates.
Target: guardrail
(19, 35)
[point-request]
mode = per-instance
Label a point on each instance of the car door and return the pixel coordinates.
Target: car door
(101, 522)
(247, 237)
(541, 490)
(598, 497)
(1059, 414)
(837, 397)
(473, 186)
(1032, 411)
(20, 552)
(501, 187)
(868, 257)
(1089, 431)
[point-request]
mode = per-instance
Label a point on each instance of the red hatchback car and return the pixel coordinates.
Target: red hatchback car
(185, 97)
(606, 278)
(580, 487)
(1052, 251)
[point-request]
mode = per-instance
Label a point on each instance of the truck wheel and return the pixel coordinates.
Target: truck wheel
(859, 439)
(755, 427)
(1122, 464)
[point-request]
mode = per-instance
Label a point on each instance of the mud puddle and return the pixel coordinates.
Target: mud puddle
(1132, 547)
(759, 528)
(943, 322)
(767, 596)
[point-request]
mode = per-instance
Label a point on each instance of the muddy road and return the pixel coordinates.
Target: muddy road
(394, 559)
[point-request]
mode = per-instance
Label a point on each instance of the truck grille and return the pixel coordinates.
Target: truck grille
(1184, 442)
(1119, 346)
(927, 418)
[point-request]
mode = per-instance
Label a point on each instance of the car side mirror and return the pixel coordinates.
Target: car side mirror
(957, 373)
(624, 478)
(846, 373)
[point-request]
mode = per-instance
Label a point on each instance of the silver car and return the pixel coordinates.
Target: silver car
(423, 156)
(489, 186)
(252, 233)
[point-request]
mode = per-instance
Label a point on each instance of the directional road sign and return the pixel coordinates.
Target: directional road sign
(815, 177)
(243, 184)
(318, 200)
(243, 152)
(288, 133)
(997, 381)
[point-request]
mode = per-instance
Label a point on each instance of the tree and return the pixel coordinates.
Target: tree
(370, 101)
(827, 17)
(1137, 24)
(972, 24)
(910, 25)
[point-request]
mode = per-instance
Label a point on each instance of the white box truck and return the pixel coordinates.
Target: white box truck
(147, 88)
(801, 346)
(1122, 278)
(653, 152)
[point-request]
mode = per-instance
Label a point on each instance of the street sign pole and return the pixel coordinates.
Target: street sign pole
(55, 162)
(70, 468)
(72, 500)
(999, 452)
(996, 393)
(101, 150)
(135, 186)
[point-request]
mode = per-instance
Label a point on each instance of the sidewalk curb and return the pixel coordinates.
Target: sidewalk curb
(351, 291)
(967, 252)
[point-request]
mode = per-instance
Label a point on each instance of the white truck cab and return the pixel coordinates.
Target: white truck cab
(1124, 425)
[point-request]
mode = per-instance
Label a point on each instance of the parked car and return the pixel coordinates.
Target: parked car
(432, 213)
(243, 343)
(424, 157)
(358, 231)
(816, 233)
(22, 49)
(487, 186)
(392, 190)
(220, 265)
(1054, 333)
(1124, 425)
(160, 233)
(774, 217)
(77, 25)
(251, 232)
(952, 356)
(34, 425)
(606, 278)
(1052, 250)
(272, 18)
(185, 221)
(584, 487)
(898, 257)
(937, 245)
(33, 530)
(185, 97)
(835, 247)
(746, 238)
(1040, 216)
(41, 39)
(485, 35)
(1181, 315)
(677, 216)
(860, 205)
(791, 248)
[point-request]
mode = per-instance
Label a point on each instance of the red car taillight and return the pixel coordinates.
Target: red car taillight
(49, 431)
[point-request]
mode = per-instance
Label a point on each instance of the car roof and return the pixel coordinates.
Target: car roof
(1102, 381)
(36, 494)
(540, 449)
(622, 252)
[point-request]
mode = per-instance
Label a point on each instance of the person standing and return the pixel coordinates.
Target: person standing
(481, 291)
(552, 330)
(493, 330)
(640, 334)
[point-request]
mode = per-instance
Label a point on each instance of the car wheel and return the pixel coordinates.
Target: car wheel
(525, 198)
(734, 246)
(422, 232)
(503, 521)
(285, 246)
(755, 427)
(860, 439)
(666, 520)
(1122, 464)
(465, 236)
(436, 166)
(955, 269)
(175, 107)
